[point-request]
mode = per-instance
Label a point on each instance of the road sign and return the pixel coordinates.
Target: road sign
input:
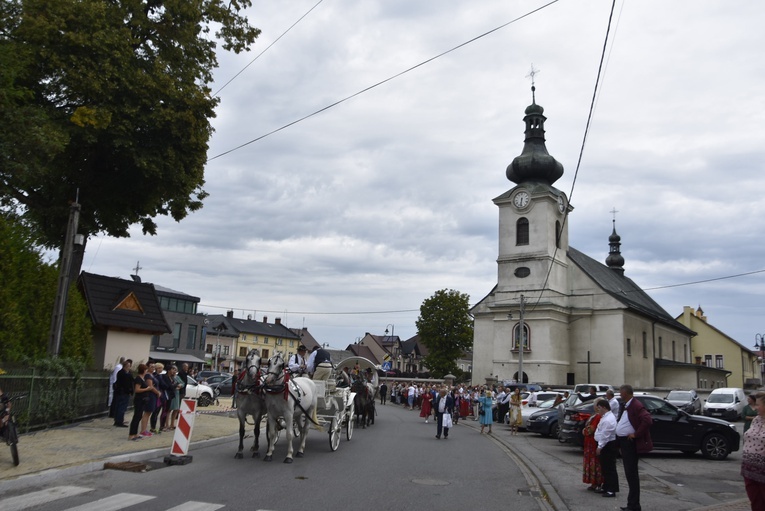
(386, 366)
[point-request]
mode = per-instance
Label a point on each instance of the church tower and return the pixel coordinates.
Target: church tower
(533, 233)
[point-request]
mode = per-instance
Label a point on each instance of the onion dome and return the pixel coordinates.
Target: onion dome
(534, 162)
(615, 261)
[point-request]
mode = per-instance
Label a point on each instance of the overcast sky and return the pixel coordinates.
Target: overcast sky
(345, 222)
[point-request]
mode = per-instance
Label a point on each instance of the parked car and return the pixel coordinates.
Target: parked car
(222, 384)
(726, 403)
(528, 411)
(544, 421)
(199, 391)
(584, 388)
(525, 387)
(672, 429)
(541, 397)
(204, 375)
(687, 400)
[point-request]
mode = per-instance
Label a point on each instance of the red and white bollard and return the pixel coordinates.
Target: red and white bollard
(182, 438)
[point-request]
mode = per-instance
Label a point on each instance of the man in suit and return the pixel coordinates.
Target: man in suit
(444, 405)
(634, 436)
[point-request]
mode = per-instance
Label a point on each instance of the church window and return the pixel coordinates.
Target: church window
(719, 362)
(645, 345)
(522, 231)
(673, 351)
(661, 350)
(557, 233)
(526, 337)
(629, 347)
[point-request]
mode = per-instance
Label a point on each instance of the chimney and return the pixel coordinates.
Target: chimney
(265, 319)
(230, 314)
(278, 321)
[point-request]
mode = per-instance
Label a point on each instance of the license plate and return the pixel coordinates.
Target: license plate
(716, 413)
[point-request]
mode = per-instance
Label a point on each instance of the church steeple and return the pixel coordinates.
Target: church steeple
(534, 163)
(615, 261)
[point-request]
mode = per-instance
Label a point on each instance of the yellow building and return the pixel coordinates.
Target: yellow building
(713, 348)
(246, 334)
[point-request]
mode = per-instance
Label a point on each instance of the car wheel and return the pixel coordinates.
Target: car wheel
(554, 430)
(205, 399)
(715, 447)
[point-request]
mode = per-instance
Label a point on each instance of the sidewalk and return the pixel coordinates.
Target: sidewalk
(86, 446)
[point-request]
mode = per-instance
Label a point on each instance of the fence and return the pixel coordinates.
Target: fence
(55, 400)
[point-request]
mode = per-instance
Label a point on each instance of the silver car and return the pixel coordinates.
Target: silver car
(687, 400)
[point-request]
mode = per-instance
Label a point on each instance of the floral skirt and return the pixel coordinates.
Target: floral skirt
(591, 472)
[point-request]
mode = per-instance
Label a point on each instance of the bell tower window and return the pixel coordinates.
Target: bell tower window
(522, 231)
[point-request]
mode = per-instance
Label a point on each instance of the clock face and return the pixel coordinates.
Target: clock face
(561, 204)
(521, 199)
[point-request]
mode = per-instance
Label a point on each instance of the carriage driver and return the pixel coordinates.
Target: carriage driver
(320, 364)
(297, 361)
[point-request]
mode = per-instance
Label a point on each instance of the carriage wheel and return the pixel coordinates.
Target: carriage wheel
(349, 426)
(334, 432)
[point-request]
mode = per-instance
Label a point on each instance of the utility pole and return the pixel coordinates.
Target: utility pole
(59, 307)
(522, 342)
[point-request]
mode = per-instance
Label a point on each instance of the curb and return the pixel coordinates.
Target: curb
(549, 500)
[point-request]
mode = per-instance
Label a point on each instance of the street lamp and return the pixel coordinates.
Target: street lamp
(759, 345)
(392, 331)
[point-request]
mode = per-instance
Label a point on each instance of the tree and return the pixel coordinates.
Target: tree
(109, 100)
(27, 291)
(446, 329)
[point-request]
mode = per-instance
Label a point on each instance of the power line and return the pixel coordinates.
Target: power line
(362, 91)
(267, 48)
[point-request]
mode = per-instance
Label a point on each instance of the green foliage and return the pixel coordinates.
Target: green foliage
(111, 99)
(446, 329)
(59, 385)
(27, 292)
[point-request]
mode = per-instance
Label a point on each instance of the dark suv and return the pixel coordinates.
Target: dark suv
(672, 429)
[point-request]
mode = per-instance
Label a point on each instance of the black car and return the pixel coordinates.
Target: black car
(544, 422)
(672, 429)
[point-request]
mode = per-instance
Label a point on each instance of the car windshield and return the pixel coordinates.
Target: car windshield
(546, 404)
(720, 398)
(679, 396)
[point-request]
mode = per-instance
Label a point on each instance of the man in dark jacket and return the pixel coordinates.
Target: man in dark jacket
(443, 405)
(123, 389)
(634, 437)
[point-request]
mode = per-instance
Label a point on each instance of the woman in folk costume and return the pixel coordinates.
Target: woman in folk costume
(591, 471)
(426, 408)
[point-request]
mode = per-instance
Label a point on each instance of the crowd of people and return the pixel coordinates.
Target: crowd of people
(156, 393)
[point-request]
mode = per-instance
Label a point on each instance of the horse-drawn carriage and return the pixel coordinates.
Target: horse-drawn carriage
(295, 404)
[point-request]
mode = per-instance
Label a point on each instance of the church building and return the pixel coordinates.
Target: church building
(581, 321)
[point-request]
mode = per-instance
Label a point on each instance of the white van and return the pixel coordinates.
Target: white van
(726, 403)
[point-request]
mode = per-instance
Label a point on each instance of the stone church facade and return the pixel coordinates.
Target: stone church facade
(583, 321)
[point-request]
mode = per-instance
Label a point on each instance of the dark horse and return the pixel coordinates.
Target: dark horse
(249, 400)
(361, 404)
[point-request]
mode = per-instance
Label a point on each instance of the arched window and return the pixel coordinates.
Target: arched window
(522, 231)
(557, 233)
(526, 337)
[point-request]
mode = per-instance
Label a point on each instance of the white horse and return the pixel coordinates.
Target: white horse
(289, 398)
(249, 400)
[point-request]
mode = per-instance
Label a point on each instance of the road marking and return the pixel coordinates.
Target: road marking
(40, 497)
(196, 506)
(113, 503)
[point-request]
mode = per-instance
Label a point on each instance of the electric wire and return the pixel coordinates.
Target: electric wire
(267, 48)
(581, 149)
(382, 82)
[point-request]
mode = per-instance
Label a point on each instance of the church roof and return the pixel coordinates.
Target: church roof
(624, 289)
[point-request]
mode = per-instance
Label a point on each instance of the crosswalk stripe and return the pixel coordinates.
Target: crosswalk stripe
(113, 503)
(40, 497)
(196, 506)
